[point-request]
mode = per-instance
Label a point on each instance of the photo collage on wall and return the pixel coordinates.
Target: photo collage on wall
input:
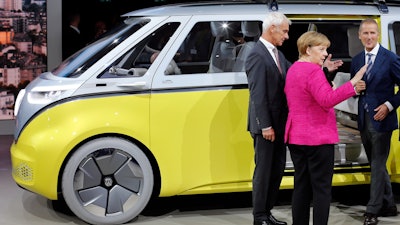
(23, 48)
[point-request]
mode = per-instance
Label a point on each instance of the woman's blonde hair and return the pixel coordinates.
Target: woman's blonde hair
(309, 39)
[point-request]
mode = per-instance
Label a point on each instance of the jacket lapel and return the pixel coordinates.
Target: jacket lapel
(379, 59)
(269, 58)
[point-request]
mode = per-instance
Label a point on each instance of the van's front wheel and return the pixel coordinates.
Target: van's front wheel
(107, 181)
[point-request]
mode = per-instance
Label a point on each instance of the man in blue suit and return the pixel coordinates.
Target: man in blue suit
(377, 116)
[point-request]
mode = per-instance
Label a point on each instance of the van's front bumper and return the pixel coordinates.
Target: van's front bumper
(34, 171)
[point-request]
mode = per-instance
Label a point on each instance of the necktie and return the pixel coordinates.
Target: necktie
(368, 76)
(369, 65)
(278, 63)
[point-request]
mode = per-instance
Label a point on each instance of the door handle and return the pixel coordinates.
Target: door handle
(135, 85)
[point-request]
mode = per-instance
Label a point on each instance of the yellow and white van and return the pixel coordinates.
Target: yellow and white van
(114, 125)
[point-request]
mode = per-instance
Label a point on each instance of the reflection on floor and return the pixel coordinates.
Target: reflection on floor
(20, 207)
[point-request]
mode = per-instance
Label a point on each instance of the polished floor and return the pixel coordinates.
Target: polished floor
(19, 207)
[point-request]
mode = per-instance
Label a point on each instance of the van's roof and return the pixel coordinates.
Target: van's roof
(243, 7)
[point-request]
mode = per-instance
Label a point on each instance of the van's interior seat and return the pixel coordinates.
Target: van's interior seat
(251, 33)
(222, 57)
(354, 43)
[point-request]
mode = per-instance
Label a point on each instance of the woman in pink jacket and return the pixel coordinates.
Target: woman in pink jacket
(311, 130)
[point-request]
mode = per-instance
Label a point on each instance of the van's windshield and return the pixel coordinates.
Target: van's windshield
(79, 62)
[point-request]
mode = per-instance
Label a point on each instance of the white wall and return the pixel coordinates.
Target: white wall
(54, 37)
(7, 127)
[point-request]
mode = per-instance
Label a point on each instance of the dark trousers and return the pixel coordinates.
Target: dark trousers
(377, 146)
(313, 171)
(270, 160)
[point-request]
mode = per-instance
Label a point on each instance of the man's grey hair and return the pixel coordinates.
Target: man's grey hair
(275, 18)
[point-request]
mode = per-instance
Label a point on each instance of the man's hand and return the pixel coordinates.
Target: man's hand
(269, 134)
(381, 112)
(332, 65)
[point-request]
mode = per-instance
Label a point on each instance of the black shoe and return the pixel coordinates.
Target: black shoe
(274, 221)
(389, 211)
(370, 219)
(264, 222)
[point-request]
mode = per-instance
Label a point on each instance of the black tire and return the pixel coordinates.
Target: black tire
(107, 181)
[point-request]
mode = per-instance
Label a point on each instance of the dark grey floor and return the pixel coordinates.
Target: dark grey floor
(19, 207)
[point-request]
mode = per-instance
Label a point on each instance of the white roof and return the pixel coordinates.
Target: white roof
(241, 7)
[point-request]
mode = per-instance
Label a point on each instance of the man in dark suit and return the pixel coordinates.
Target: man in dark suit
(377, 116)
(72, 39)
(267, 115)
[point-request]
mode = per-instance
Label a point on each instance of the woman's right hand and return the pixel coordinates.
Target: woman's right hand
(359, 75)
(359, 86)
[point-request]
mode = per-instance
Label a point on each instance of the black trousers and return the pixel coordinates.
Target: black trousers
(377, 147)
(313, 167)
(270, 161)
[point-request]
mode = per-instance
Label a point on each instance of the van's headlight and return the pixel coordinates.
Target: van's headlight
(18, 101)
(44, 97)
(48, 94)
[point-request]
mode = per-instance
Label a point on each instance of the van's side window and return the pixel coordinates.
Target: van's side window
(217, 46)
(138, 59)
(196, 46)
(342, 34)
(394, 34)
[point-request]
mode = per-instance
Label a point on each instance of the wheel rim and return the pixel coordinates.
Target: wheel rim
(108, 182)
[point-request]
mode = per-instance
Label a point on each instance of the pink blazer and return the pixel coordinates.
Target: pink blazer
(311, 120)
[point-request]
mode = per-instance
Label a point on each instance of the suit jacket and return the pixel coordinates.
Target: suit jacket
(72, 41)
(267, 104)
(385, 73)
(311, 99)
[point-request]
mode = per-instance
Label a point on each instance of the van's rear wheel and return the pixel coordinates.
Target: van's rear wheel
(107, 181)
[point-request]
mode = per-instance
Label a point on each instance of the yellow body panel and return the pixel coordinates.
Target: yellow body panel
(198, 138)
(200, 141)
(47, 140)
(393, 162)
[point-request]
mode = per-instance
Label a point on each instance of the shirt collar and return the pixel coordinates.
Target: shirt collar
(267, 44)
(374, 51)
(75, 28)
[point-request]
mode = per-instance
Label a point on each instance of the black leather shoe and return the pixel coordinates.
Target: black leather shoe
(274, 221)
(388, 211)
(264, 222)
(370, 219)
